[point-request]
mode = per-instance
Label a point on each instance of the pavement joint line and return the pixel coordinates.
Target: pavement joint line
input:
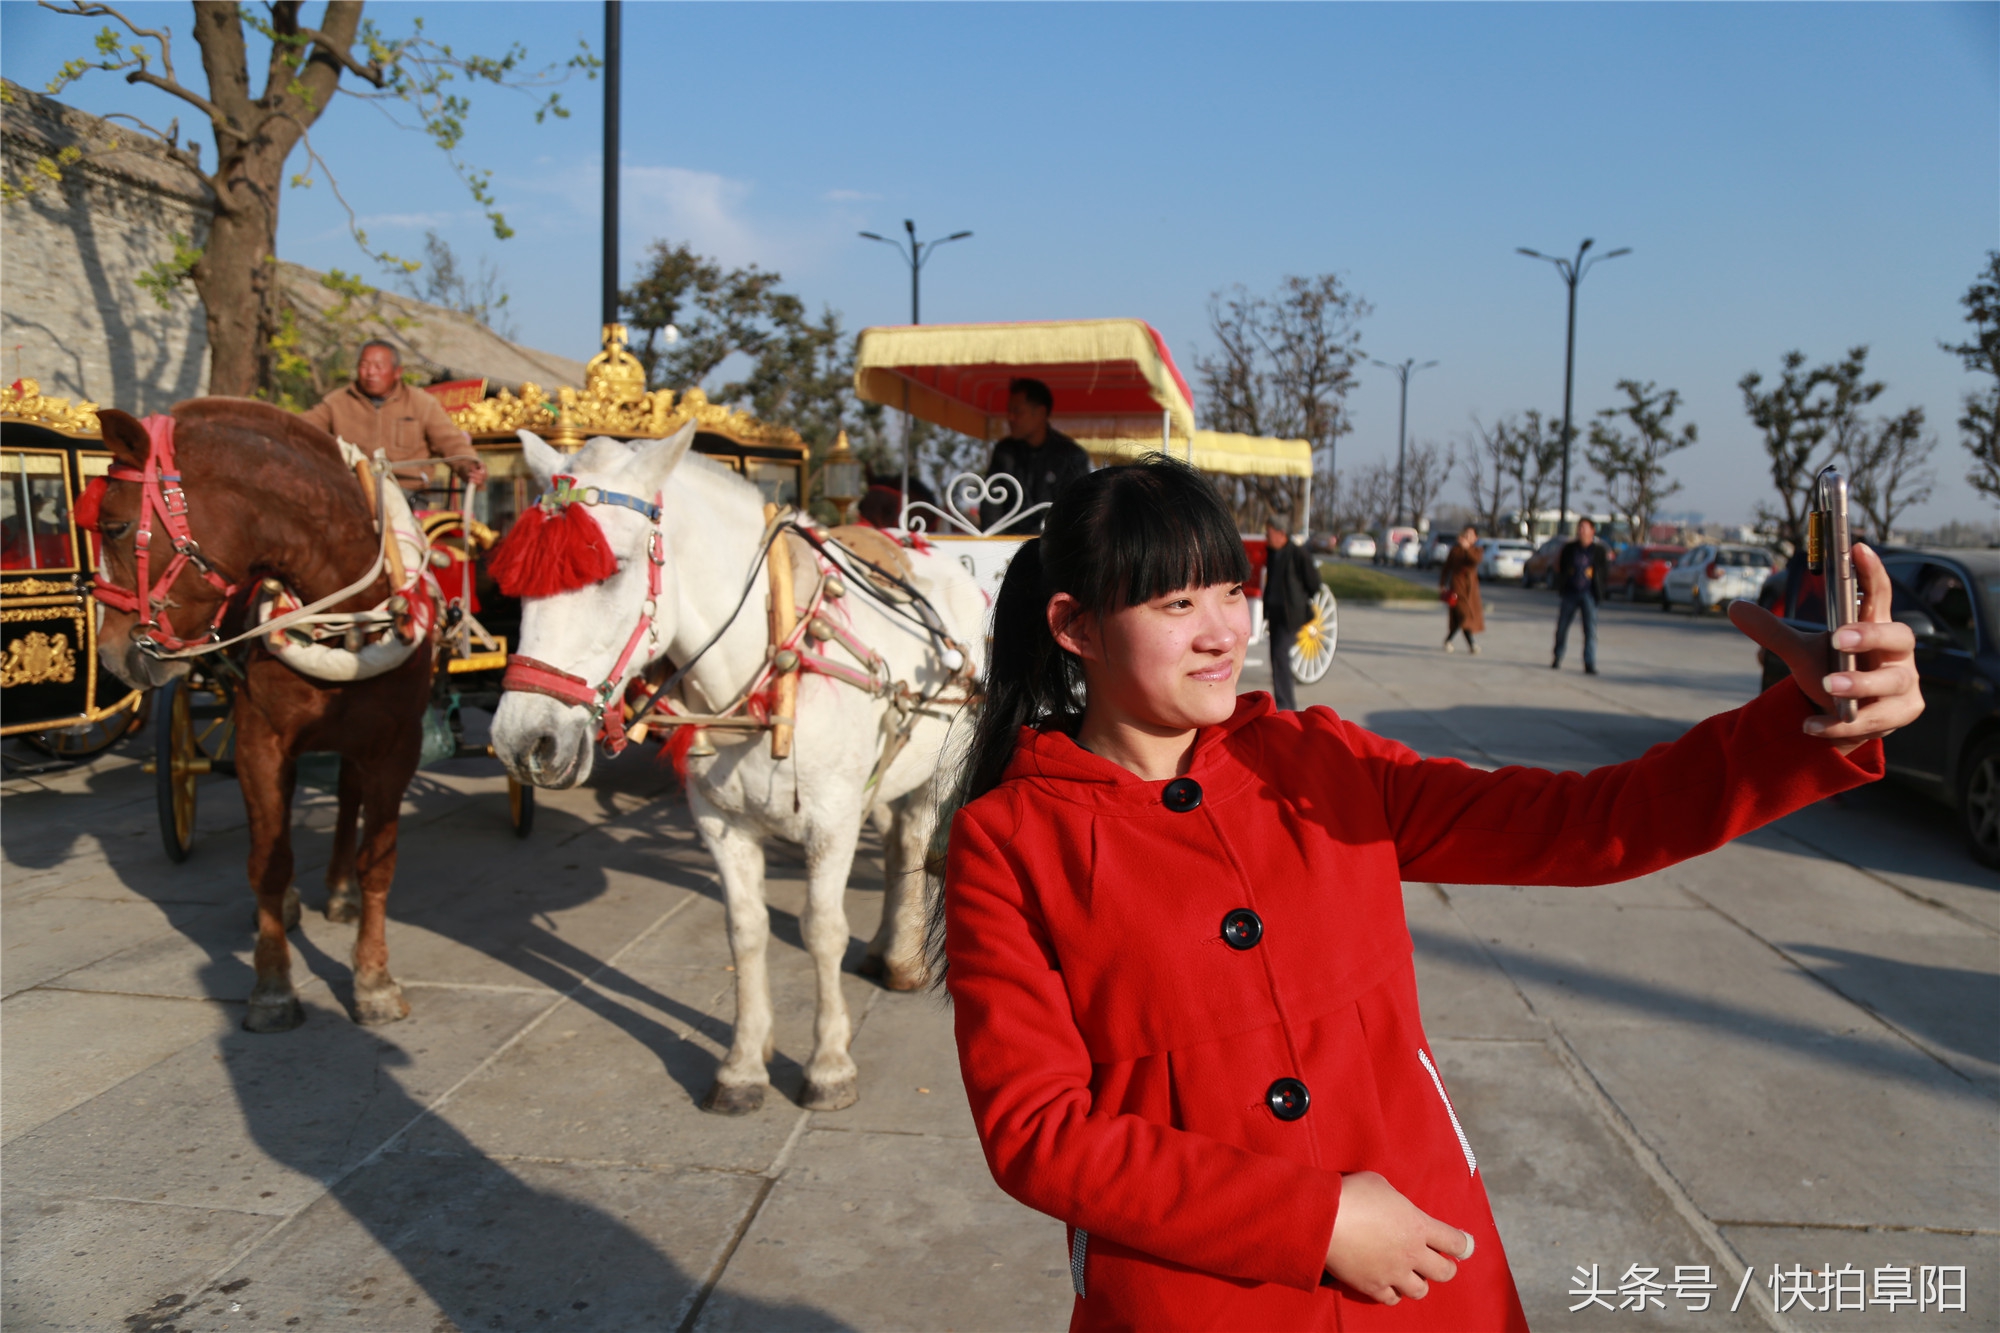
(481, 987)
(329, 1183)
(1858, 1226)
(696, 1301)
(1886, 882)
(130, 994)
(1883, 1020)
(167, 1203)
(1642, 1153)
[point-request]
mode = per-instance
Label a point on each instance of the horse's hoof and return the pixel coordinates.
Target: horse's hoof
(381, 1002)
(877, 968)
(343, 908)
(274, 1013)
(734, 1098)
(835, 1096)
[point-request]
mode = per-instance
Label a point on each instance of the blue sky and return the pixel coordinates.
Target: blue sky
(1787, 175)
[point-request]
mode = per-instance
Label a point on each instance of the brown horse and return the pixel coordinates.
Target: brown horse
(268, 496)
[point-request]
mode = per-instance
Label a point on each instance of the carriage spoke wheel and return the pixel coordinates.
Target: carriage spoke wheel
(177, 762)
(520, 807)
(1312, 648)
(189, 740)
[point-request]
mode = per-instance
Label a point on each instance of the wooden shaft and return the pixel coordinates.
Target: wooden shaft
(784, 616)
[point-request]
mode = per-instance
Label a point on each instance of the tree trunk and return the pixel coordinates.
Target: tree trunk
(237, 278)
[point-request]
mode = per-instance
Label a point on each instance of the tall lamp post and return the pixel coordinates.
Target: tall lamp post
(1403, 372)
(916, 254)
(612, 55)
(1572, 271)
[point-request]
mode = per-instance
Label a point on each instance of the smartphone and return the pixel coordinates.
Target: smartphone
(1830, 551)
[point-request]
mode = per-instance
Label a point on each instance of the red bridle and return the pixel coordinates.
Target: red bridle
(161, 497)
(532, 676)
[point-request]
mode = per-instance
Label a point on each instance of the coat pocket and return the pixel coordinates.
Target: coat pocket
(1464, 1144)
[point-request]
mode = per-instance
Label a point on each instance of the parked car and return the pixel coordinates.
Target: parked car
(1407, 552)
(1541, 566)
(1504, 557)
(1640, 572)
(1358, 546)
(1322, 543)
(1951, 600)
(1387, 540)
(1712, 575)
(1438, 548)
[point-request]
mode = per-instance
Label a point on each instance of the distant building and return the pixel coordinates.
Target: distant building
(73, 316)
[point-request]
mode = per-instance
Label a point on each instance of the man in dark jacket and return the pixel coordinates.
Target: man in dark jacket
(1041, 462)
(1290, 580)
(1581, 569)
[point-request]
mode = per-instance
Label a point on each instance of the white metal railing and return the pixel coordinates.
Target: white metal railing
(969, 488)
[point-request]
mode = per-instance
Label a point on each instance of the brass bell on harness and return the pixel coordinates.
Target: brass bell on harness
(701, 747)
(819, 629)
(836, 586)
(785, 660)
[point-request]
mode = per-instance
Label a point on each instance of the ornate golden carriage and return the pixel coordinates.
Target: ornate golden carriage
(54, 692)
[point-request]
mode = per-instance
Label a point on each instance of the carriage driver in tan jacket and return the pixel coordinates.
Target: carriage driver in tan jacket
(379, 411)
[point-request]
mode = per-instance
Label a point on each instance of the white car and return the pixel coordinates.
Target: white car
(1711, 576)
(1408, 552)
(1438, 549)
(1503, 557)
(1358, 546)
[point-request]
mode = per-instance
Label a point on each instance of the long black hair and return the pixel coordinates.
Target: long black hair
(1115, 538)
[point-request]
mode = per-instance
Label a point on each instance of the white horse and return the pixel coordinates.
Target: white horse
(713, 526)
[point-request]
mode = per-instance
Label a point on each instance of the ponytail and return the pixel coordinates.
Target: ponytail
(1114, 538)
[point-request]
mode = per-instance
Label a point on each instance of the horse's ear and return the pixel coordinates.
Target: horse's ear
(544, 460)
(654, 461)
(124, 436)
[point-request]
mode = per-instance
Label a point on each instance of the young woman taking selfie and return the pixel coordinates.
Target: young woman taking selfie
(1172, 924)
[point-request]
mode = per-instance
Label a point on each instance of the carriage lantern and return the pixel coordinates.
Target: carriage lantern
(841, 477)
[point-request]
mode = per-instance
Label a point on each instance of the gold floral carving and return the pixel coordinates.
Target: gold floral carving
(614, 401)
(57, 611)
(37, 659)
(28, 403)
(32, 587)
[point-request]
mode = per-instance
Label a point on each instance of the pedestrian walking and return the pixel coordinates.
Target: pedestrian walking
(1172, 926)
(1581, 570)
(1458, 589)
(1290, 580)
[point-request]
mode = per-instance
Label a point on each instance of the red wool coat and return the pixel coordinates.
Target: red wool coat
(1135, 975)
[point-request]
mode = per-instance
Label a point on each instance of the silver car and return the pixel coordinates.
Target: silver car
(1711, 576)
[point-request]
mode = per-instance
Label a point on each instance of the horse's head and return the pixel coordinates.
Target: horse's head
(588, 623)
(189, 601)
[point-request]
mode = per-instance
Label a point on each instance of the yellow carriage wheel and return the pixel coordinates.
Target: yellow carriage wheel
(1313, 646)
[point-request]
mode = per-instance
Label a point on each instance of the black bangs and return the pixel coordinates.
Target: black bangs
(1140, 532)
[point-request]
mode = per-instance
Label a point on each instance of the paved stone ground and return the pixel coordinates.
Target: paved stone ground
(1784, 1053)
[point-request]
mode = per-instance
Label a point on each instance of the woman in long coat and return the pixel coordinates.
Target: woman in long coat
(1458, 586)
(1173, 922)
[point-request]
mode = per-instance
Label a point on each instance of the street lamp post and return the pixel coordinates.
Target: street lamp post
(612, 58)
(1572, 271)
(915, 253)
(1403, 371)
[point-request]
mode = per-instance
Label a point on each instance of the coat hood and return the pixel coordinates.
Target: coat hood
(1223, 763)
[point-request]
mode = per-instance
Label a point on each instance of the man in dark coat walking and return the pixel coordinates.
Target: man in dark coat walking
(1581, 568)
(1290, 580)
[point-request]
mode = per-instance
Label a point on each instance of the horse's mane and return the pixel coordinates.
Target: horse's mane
(284, 428)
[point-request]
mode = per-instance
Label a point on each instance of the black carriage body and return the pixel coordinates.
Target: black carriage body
(49, 674)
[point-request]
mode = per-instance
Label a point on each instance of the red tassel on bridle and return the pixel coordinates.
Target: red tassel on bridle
(546, 553)
(90, 504)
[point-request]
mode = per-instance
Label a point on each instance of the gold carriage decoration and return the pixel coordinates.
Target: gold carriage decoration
(55, 692)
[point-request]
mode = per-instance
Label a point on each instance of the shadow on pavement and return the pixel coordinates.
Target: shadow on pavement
(1516, 734)
(488, 1243)
(1872, 1059)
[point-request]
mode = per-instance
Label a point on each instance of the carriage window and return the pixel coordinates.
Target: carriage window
(34, 512)
(778, 481)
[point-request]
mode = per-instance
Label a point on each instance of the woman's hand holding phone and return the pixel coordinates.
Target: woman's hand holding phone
(1883, 685)
(1385, 1247)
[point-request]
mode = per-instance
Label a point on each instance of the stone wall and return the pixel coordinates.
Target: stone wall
(71, 314)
